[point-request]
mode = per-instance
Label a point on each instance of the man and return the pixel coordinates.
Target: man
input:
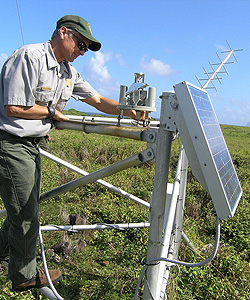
(36, 83)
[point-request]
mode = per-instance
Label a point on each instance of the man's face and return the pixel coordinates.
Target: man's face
(71, 42)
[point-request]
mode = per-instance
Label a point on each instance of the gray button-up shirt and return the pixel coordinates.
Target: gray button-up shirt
(32, 75)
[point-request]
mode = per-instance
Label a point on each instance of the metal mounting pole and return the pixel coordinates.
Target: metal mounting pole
(135, 160)
(100, 181)
(164, 140)
(124, 131)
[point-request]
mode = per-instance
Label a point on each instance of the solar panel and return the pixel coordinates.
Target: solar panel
(206, 148)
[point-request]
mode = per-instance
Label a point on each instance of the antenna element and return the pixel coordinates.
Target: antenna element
(214, 74)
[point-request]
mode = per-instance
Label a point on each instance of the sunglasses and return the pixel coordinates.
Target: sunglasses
(80, 43)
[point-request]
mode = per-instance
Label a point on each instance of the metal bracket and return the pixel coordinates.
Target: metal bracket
(169, 116)
(147, 155)
(148, 135)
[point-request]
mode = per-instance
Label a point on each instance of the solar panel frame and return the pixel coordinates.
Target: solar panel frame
(206, 148)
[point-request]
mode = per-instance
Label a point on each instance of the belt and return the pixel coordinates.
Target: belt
(33, 140)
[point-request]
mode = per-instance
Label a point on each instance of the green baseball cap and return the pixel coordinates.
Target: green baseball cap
(82, 27)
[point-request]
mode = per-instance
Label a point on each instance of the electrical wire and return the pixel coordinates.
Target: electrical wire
(186, 264)
(46, 267)
(20, 23)
(114, 226)
(63, 229)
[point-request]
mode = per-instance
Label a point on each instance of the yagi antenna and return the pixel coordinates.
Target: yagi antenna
(221, 65)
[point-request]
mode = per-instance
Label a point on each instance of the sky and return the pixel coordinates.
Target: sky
(170, 41)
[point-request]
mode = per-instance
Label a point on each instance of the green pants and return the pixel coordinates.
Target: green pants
(20, 175)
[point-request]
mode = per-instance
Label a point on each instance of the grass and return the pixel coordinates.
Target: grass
(105, 265)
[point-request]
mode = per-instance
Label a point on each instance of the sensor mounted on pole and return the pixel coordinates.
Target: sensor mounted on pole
(136, 97)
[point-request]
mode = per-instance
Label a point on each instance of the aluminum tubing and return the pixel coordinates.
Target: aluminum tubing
(129, 162)
(100, 181)
(73, 228)
(105, 120)
(125, 131)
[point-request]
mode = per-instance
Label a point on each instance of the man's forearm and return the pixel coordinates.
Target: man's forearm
(103, 104)
(109, 106)
(35, 112)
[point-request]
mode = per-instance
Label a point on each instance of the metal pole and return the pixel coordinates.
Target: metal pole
(74, 228)
(164, 140)
(129, 162)
(100, 181)
(127, 132)
(105, 120)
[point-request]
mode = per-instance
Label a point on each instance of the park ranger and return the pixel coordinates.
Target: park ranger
(36, 82)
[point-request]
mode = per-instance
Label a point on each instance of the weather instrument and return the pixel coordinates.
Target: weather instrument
(136, 97)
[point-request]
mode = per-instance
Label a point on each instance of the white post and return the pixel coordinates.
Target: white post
(170, 210)
(172, 251)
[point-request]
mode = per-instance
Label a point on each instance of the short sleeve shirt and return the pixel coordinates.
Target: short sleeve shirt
(32, 75)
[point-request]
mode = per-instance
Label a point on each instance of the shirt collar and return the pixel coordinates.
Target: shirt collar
(51, 59)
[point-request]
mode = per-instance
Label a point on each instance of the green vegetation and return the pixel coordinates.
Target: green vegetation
(106, 265)
(74, 112)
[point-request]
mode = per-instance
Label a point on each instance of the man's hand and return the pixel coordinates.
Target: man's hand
(59, 116)
(137, 115)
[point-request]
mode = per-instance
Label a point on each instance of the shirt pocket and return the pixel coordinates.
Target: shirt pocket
(44, 97)
(66, 93)
(65, 96)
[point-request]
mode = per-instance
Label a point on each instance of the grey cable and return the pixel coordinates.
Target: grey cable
(210, 258)
(46, 268)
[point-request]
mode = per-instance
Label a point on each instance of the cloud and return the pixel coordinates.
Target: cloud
(97, 74)
(157, 67)
(120, 60)
(223, 51)
(221, 47)
(97, 69)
